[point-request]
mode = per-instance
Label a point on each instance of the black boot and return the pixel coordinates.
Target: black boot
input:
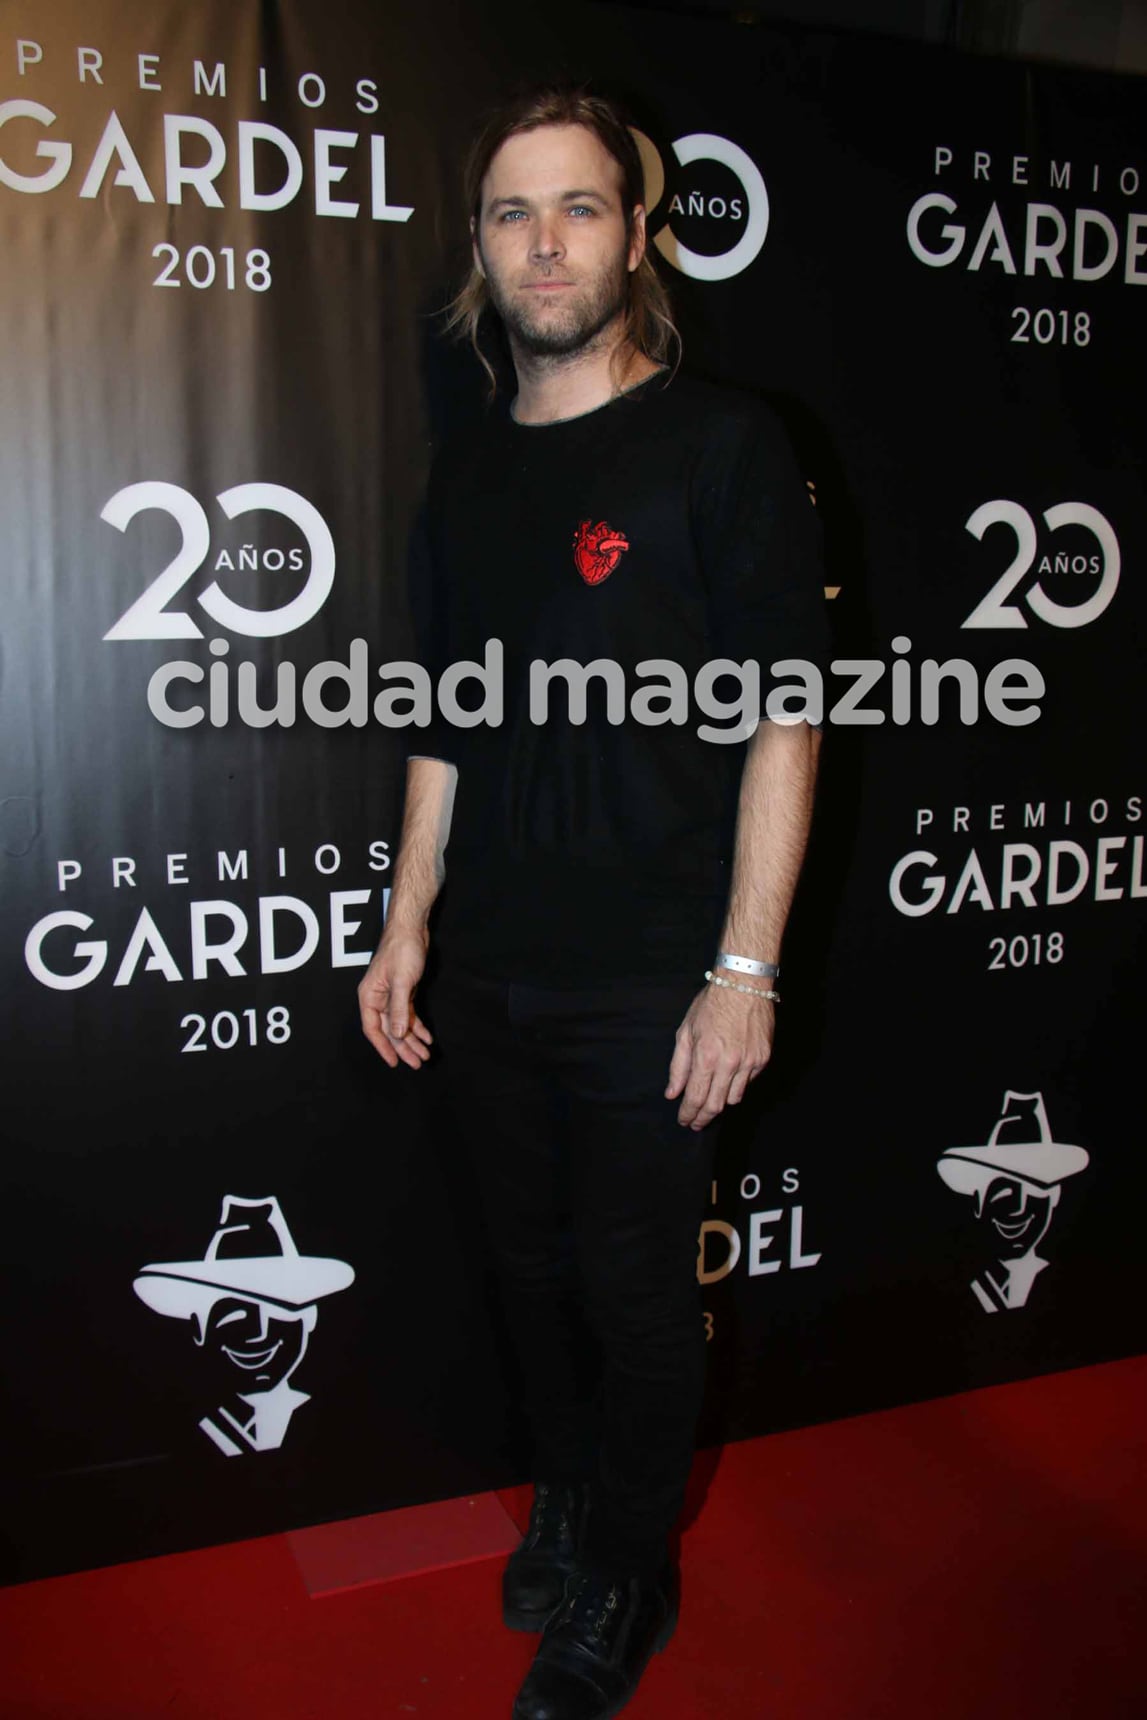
(596, 1645)
(535, 1576)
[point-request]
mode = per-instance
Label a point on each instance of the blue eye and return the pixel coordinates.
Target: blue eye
(512, 214)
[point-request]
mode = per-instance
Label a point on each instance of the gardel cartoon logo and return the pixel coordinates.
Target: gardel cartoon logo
(252, 1301)
(597, 550)
(1016, 1180)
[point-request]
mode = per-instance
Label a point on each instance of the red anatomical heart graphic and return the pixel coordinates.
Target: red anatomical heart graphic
(597, 550)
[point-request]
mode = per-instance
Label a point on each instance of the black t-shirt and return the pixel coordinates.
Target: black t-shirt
(670, 523)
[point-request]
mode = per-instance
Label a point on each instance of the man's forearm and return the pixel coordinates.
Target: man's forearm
(773, 816)
(421, 867)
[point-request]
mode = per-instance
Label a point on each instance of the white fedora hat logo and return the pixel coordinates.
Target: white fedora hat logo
(1020, 1146)
(252, 1255)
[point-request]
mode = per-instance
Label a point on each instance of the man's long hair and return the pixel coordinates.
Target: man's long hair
(648, 325)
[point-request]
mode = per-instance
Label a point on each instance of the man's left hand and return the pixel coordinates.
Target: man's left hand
(724, 1041)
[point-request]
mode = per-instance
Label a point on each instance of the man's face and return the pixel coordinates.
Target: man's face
(1018, 1213)
(262, 1346)
(551, 239)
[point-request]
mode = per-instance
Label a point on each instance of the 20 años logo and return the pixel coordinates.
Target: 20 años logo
(150, 616)
(749, 204)
(305, 547)
(1102, 564)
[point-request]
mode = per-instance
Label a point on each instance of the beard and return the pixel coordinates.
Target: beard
(547, 330)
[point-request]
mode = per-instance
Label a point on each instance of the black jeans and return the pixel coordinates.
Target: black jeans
(593, 1196)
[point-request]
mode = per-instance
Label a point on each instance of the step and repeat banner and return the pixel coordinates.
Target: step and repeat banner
(244, 1286)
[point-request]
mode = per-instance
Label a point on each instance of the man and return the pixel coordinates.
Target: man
(617, 515)
(1016, 1180)
(253, 1300)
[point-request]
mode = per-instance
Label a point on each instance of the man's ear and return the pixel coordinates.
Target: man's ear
(636, 237)
(475, 252)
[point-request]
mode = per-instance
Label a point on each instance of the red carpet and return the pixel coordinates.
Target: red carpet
(976, 1558)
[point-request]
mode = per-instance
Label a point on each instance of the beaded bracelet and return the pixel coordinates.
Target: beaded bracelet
(732, 985)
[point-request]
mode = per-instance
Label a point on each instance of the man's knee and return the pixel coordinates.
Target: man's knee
(652, 1320)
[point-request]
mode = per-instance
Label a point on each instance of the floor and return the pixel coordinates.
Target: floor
(979, 1557)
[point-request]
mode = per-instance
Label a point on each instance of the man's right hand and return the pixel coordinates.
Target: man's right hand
(386, 999)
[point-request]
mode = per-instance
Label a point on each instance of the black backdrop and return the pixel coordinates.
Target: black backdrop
(171, 333)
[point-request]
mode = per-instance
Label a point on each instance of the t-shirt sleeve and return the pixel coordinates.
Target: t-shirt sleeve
(424, 590)
(761, 546)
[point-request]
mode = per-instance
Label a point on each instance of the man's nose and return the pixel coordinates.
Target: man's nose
(547, 246)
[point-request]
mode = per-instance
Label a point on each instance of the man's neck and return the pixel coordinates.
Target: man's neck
(571, 384)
